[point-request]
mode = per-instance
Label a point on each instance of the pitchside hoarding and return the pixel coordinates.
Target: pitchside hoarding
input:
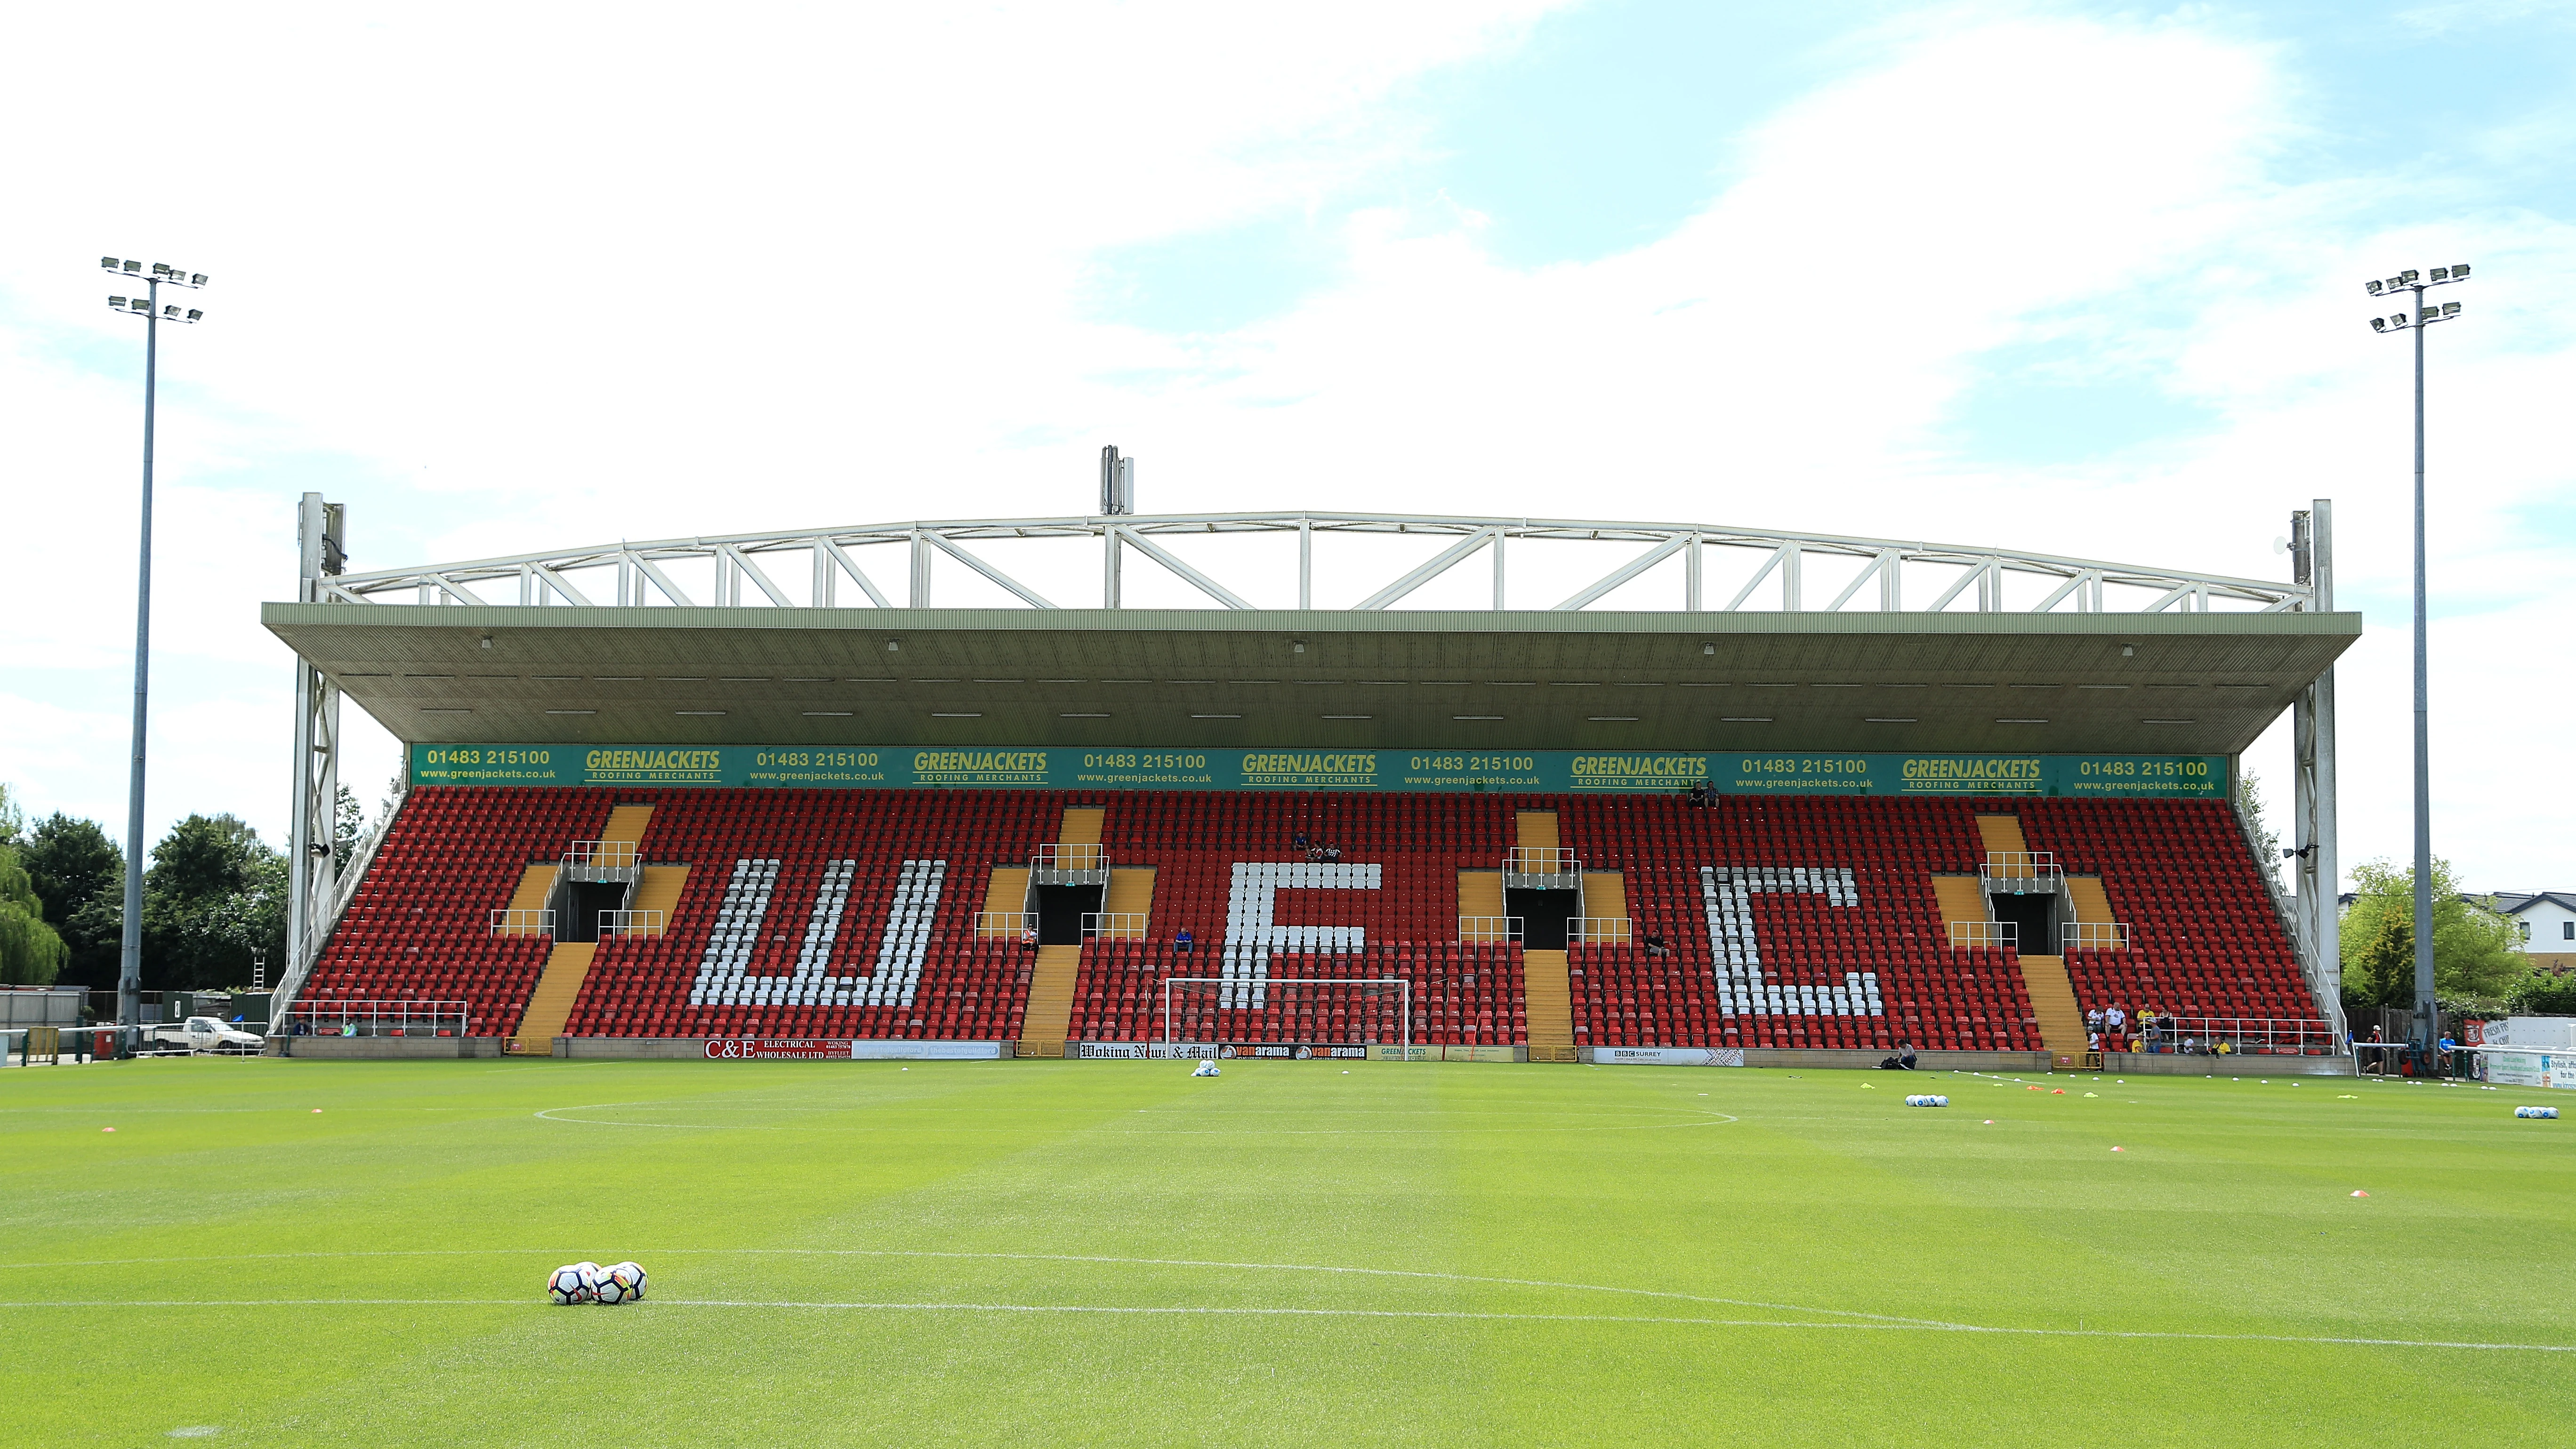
(1554, 772)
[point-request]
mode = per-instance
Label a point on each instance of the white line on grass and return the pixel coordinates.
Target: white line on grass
(1698, 1118)
(1205, 1310)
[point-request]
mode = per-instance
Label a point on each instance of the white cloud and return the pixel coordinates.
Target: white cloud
(540, 282)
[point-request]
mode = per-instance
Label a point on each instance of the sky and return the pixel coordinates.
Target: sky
(2062, 278)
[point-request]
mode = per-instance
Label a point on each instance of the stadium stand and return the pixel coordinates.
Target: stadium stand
(2203, 938)
(1745, 921)
(419, 926)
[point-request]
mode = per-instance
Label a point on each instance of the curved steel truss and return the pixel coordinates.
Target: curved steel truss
(890, 566)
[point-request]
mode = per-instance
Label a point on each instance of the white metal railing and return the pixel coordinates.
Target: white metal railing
(1060, 859)
(373, 1018)
(2093, 936)
(523, 923)
(1115, 925)
(2239, 1035)
(600, 860)
(1001, 925)
(1526, 860)
(630, 923)
(1740, 567)
(2020, 872)
(1600, 931)
(1999, 934)
(1489, 928)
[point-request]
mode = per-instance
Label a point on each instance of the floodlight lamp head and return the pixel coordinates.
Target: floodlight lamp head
(2459, 271)
(2378, 324)
(2450, 309)
(2374, 286)
(197, 279)
(134, 267)
(170, 311)
(2441, 274)
(2410, 277)
(108, 262)
(194, 314)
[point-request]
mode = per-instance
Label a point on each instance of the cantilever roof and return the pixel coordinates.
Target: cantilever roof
(2159, 683)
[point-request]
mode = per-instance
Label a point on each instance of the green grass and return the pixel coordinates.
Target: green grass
(859, 1253)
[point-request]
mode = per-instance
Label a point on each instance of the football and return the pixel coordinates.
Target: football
(628, 1278)
(568, 1284)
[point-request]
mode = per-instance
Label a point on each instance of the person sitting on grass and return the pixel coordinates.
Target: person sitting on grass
(1903, 1061)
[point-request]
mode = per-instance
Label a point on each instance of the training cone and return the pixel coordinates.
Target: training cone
(2119, 1149)
(2059, 1092)
(107, 1129)
(2357, 1192)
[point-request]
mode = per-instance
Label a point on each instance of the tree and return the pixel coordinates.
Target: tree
(214, 891)
(2473, 947)
(31, 952)
(2267, 841)
(348, 818)
(72, 863)
(2544, 993)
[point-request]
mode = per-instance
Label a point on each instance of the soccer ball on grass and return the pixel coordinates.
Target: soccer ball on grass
(621, 1283)
(574, 1283)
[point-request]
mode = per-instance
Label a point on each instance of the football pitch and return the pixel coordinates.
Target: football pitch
(285, 1252)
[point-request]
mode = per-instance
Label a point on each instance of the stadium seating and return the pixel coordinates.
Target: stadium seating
(2204, 940)
(418, 927)
(1759, 922)
(965, 988)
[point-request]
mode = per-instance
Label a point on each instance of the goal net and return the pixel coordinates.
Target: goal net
(1283, 1016)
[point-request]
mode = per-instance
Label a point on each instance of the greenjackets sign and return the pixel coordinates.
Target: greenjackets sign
(902, 767)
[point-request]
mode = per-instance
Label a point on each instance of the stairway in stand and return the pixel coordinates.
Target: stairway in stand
(1545, 995)
(2052, 1002)
(1550, 1003)
(1050, 1001)
(2002, 835)
(551, 1003)
(1962, 898)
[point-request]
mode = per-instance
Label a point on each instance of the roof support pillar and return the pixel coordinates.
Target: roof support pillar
(919, 594)
(2319, 877)
(312, 876)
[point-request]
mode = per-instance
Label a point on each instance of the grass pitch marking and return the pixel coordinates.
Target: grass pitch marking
(1692, 1117)
(1187, 1310)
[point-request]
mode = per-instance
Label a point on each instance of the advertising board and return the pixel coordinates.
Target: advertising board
(1643, 1056)
(842, 1049)
(903, 767)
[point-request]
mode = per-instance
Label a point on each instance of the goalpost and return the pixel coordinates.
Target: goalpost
(1192, 1024)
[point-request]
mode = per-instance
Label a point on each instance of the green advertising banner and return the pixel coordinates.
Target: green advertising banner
(1534, 772)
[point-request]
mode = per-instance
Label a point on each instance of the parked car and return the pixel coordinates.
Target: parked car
(205, 1034)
